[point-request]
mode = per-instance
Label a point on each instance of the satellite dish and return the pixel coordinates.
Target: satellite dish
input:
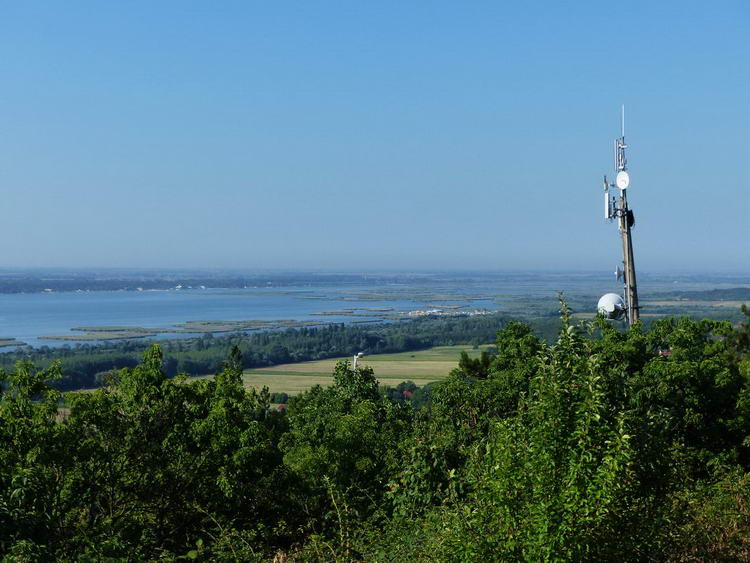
(611, 306)
(622, 180)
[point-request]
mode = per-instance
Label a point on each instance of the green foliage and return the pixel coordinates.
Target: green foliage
(146, 465)
(32, 455)
(342, 445)
(713, 520)
(606, 447)
(280, 398)
(477, 368)
(741, 338)
(552, 481)
(603, 445)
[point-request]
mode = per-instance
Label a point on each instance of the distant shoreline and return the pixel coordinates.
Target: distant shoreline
(33, 282)
(168, 307)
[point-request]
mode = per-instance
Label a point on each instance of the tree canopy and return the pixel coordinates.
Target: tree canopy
(600, 445)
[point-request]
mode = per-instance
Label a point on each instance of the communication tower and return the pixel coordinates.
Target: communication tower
(611, 305)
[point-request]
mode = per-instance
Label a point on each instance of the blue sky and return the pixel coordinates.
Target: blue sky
(371, 135)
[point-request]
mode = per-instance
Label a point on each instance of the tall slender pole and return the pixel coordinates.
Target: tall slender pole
(624, 215)
(631, 285)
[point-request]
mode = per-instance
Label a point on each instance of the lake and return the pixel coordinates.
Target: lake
(27, 317)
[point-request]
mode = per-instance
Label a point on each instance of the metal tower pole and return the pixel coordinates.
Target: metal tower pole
(631, 285)
(619, 209)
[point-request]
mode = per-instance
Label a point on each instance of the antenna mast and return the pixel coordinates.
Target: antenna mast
(617, 208)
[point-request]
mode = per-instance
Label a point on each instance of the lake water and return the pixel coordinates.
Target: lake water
(26, 317)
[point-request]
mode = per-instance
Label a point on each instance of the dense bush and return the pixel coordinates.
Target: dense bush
(603, 445)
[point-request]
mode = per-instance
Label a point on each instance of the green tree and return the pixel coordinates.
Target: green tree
(32, 459)
(161, 464)
(552, 481)
(343, 444)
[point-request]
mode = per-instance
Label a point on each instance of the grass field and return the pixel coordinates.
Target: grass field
(681, 303)
(421, 367)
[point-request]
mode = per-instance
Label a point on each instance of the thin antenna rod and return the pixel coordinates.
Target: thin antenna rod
(622, 121)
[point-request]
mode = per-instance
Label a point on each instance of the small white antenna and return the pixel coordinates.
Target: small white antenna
(622, 121)
(607, 201)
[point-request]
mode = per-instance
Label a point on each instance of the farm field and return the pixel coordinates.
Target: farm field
(683, 303)
(421, 367)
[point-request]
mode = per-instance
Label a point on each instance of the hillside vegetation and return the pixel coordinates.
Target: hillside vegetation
(598, 446)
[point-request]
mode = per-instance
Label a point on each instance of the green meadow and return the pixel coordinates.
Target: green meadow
(421, 367)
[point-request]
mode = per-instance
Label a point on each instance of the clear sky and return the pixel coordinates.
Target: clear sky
(371, 135)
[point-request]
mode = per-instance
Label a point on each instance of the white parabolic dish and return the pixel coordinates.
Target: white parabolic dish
(611, 306)
(622, 180)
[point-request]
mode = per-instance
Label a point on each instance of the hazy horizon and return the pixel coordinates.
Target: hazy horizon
(422, 137)
(213, 270)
